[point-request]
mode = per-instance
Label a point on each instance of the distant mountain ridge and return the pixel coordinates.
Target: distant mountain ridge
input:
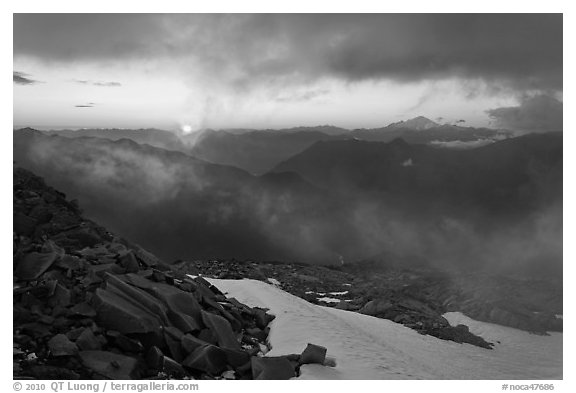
(150, 136)
(259, 151)
(417, 123)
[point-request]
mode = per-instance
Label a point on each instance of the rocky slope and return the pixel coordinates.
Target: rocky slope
(415, 296)
(90, 305)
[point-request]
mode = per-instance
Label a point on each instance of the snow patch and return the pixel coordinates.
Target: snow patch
(366, 347)
(328, 300)
(338, 293)
(273, 281)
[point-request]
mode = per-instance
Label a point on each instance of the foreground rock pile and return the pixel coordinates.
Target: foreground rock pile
(89, 305)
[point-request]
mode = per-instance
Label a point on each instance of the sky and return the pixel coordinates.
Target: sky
(194, 71)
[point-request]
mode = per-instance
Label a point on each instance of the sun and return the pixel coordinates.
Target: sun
(186, 128)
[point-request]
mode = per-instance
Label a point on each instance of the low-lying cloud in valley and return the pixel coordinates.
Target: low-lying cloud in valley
(539, 113)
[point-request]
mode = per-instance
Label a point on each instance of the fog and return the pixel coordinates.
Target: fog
(183, 208)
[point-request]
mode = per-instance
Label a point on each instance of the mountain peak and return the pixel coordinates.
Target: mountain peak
(417, 123)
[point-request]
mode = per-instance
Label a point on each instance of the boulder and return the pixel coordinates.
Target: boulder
(274, 368)
(175, 346)
(221, 329)
(172, 368)
(127, 309)
(146, 258)
(155, 359)
(110, 365)
(191, 343)
(88, 341)
(236, 358)
(60, 345)
(24, 225)
(60, 297)
(207, 358)
(129, 262)
(32, 265)
(313, 354)
(52, 372)
(376, 307)
(83, 310)
(128, 344)
(184, 310)
(262, 318)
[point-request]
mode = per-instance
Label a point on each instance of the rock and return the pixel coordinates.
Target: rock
(75, 333)
(236, 358)
(110, 365)
(105, 268)
(207, 358)
(61, 296)
(24, 225)
(83, 237)
(376, 307)
(262, 319)
(155, 359)
(191, 343)
(83, 310)
(88, 341)
(208, 336)
(313, 354)
(172, 368)
(175, 347)
(128, 344)
(52, 372)
(183, 309)
(127, 309)
(60, 345)
(129, 262)
(273, 368)
(222, 329)
(257, 333)
(32, 265)
(146, 258)
(70, 262)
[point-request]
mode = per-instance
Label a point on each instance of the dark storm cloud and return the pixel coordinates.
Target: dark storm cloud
(539, 113)
(98, 83)
(522, 51)
(21, 78)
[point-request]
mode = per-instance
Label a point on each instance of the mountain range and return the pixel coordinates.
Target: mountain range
(493, 207)
(259, 151)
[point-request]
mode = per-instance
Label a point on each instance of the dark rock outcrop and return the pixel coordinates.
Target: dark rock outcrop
(88, 304)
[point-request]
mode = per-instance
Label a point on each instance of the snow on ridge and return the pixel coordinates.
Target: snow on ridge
(338, 293)
(328, 300)
(366, 347)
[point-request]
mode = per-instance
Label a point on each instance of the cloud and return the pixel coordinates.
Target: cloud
(302, 96)
(97, 83)
(21, 78)
(537, 113)
(521, 51)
